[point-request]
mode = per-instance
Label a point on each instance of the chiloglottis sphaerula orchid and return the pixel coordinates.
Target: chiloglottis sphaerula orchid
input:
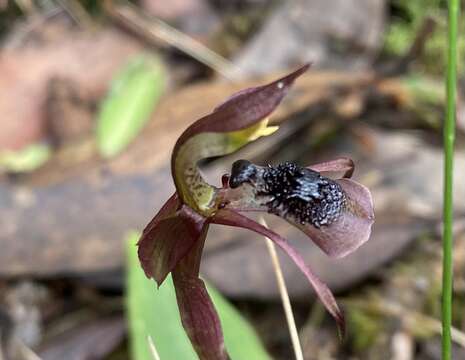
(336, 214)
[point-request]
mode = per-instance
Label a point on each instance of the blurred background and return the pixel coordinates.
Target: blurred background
(93, 95)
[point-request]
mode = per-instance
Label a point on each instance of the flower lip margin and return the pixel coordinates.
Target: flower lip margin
(338, 236)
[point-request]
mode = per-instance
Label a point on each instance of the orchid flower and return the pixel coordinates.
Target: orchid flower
(336, 214)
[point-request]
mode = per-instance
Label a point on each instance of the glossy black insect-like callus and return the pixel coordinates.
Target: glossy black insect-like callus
(242, 171)
(292, 192)
(303, 194)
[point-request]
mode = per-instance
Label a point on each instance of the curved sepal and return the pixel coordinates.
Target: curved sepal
(232, 218)
(244, 108)
(242, 118)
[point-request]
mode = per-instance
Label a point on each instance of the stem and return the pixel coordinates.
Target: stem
(449, 139)
(284, 297)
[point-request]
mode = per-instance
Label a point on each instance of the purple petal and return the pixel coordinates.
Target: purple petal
(352, 229)
(168, 238)
(243, 109)
(198, 315)
(342, 164)
(232, 218)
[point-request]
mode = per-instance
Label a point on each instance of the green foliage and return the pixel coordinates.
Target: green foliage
(427, 98)
(154, 312)
(129, 104)
(448, 198)
(239, 336)
(24, 160)
(406, 19)
(364, 328)
(425, 90)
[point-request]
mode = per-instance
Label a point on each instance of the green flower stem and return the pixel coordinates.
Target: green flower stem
(449, 140)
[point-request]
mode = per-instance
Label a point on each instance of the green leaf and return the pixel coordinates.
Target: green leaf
(24, 160)
(239, 336)
(127, 108)
(154, 312)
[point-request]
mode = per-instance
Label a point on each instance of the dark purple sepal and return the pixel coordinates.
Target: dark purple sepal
(242, 109)
(198, 314)
(168, 238)
(232, 218)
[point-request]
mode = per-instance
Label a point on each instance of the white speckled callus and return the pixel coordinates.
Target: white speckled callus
(352, 229)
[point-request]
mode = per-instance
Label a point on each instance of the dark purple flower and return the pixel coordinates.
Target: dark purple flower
(336, 214)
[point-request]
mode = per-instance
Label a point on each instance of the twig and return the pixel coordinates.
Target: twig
(152, 348)
(418, 46)
(416, 49)
(33, 23)
(155, 29)
(77, 11)
(284, 297)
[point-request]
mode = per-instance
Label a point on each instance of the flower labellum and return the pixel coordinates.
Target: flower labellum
(336, 214)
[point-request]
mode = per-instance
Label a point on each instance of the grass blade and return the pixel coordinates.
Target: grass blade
(153, 313)
(239, 336)
(449, 140)
(284, 297)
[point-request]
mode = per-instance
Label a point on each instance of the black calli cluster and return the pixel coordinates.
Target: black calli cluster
(293, 191)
